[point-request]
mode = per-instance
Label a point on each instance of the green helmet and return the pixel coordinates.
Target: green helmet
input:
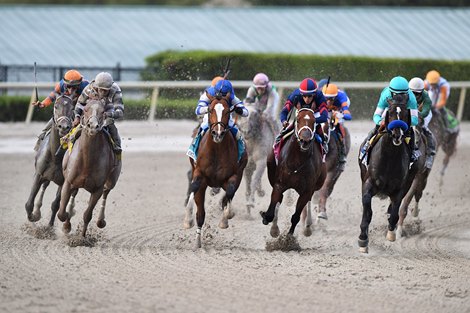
(398, 84)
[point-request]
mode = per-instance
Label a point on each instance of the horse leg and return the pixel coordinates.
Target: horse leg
(101, 223)
(307, 219)
(37, 182)
(393, 216)
(301, 203)
(274, 232)
(199, 197)
(249, 195)
(403, 211)
(62, 215)
(188, 192)
(38, 204)
(366, 217)
(70, 211)
(230, 187)
(88, 214)
(276, 197)
(188, 217)
(55, 206)
(260, 168)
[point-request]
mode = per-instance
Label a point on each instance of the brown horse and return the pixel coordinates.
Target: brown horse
(445, 139)
(299, 167)
(388, 173)
(48, 165)
(333, 167)
(91, 164)
(417, 187)
(216, 166)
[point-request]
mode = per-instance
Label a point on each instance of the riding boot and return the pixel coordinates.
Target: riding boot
(43, 134)
(366, 146)
(282, 133)
(415, 153)
(445, 118)
(430, 147)
(116, 139)
(341, 153)
(240, 141)
(321, 138)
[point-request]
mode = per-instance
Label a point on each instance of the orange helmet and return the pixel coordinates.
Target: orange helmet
(73, 78)
(433, 77)
(330, 90)
(215, 80)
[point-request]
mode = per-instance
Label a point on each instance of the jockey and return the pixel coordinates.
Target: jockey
(424, 107)
(104, 88)
(397, 86)
(222, 87)
(71, 85)
(337, 103)
(266, 99)
(306, 96)
(439, 91)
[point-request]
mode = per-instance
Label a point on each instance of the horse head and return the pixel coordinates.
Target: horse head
(397, 118)
(63, 114)
(93, 119)
(305, 128)
(219, 116)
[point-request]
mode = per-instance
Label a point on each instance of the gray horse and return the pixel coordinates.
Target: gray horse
(91, 164)
(259, 136)
(48, 165)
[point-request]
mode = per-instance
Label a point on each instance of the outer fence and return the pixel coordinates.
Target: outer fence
(156, 86)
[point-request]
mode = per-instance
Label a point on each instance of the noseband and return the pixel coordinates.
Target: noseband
(297, 130)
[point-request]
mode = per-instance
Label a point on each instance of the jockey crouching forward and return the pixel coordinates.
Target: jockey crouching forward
(306, 96)
(337, 103)
(398, 87)
(222, 88)
(105, 89)
(71, 85)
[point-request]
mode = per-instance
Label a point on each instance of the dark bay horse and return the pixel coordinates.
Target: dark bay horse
(216, 166)
(91, 165)
(445, 140)
(333, 167)
(48, 166)
(259, 137)
(388, 173)
(299, 167)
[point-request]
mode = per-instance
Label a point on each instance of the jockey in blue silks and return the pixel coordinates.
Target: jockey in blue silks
(397, 86)
(222, 87)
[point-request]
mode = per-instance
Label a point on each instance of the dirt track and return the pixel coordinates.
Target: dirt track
(144, 261)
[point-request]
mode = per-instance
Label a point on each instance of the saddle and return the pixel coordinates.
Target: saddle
(68, 140)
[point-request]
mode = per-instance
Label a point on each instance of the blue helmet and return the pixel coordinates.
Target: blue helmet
(398, 84)
(223, 87)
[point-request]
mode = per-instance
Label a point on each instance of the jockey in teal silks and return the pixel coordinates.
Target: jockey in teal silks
(397, 86)
(222, 87)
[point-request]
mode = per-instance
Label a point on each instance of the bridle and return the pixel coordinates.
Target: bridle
(297, 130)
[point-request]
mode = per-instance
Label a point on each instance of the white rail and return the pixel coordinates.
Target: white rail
(155, 86)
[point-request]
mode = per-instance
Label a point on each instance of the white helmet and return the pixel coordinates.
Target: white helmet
(103, 80)
(416, 84)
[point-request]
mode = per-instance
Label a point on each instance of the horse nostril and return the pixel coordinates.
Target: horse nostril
(213, 133)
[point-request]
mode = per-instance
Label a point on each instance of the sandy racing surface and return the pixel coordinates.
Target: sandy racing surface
(144, 261)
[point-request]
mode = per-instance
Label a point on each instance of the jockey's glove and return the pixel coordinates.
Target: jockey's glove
(238, 110)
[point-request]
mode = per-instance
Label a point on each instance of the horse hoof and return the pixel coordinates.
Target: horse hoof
(308, 231)
(223, 224)
(322, 215)
(101, 223)
(391, 236)
(364, 249)
(274, 232)
(67, 227)
(263, 215)
(415, 212)
(363, 243)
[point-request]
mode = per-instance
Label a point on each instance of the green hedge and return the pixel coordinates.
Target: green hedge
(15, 108)
(204, 65)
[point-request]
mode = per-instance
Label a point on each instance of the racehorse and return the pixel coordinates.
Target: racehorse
(91, 164)
(333, 167)
(48, 165)
(216, 166)
(446, 140)
(388, 172)
(418, 184)
(259, 136)
(299, 167)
